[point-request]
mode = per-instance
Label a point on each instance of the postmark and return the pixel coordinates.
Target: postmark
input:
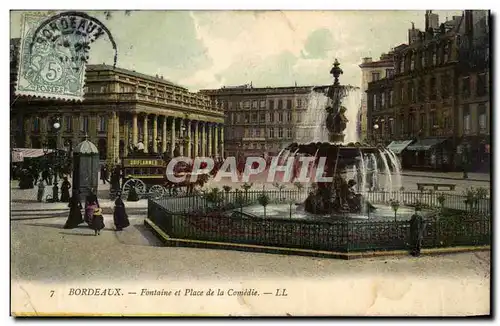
(54, 51)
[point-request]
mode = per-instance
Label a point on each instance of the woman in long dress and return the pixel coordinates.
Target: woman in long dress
(65, 187)
(120, 216)
(75, 213)
(91, 205)
(97, 221)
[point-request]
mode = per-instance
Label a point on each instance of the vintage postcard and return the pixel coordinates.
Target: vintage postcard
(250, 163)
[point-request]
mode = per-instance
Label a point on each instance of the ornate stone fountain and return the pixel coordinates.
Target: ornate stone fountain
(337, 196)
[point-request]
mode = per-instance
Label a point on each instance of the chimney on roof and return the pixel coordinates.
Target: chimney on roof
(367, 60)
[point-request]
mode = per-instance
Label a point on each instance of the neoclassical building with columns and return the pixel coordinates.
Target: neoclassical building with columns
(123, 109)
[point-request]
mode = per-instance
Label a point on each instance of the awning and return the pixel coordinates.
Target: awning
(19, 154)
(425, 144)
(397, 146)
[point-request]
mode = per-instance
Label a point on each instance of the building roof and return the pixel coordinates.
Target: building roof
(258, 90)
(104, 67)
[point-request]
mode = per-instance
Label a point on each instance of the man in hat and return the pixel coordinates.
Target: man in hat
(417, 226)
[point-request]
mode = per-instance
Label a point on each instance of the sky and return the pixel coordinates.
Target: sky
(211, 49)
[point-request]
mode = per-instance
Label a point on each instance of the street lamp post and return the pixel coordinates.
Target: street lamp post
(56, 127)
(375, 127)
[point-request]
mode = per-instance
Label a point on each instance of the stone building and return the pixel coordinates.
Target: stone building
(372, 71)
(261, 121)
(121, 109)
(429, 101)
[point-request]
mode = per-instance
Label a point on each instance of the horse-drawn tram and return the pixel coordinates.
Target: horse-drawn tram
(148, 175)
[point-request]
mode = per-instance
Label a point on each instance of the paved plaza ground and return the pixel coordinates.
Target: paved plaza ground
(44, 253)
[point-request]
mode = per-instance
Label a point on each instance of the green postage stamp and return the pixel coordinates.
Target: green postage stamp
(44, 70)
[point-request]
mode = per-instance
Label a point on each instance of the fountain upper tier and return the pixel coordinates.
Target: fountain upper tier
(344, 154)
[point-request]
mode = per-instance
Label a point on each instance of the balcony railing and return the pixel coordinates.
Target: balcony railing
(116, 97)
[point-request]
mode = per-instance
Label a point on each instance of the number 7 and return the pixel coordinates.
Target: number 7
(51, 293)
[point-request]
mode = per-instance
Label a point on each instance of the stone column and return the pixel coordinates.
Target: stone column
(126, 134)
(116, 134)
(210, 153)
(43, 130)
(164, 135)
(222, 142)
(145, 135)
(181, 136)
(28, 124)
(110, 148)
(172, 138)
(196, 140)
(216, 140)
(76, 130)
(155, 133)
(190, 139)
(135, 139)
(203, 139)
(93, 128)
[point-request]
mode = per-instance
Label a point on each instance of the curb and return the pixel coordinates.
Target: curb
(173, 242)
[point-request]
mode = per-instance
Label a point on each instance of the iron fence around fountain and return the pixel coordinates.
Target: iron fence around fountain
(229, 200)
(332, 236)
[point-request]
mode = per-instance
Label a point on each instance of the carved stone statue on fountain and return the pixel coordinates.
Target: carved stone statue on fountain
(337, 196)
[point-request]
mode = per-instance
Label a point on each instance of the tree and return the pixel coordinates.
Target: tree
(263, 200)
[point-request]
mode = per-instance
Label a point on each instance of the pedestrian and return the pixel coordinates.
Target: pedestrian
(104, 173)
(91, 204)
(97, 221)
(65, 187)
(120, 216)
(41, 191)
(75, 212)
(45, 176)
(50, 176)
(417, 226)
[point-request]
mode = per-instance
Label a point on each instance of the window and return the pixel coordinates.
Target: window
(389, 73)
(432, 87)
(445, 54)
(299, 102)
(289, 104)
(433, 121)
(36, 124)
(411, 92)
(280, 116)
(262, 117)
(262, 104)
(271, 117)
(246, 104)
(411, 123)
(422, 59)
(412, 62)
(420, 91)
(254, 132)
(247, 118)
(280, 104)
(481, 85)
(391, 126)
(401, 94)
(445, 86)
(257, 132)
(299, 117)
(374, 101)
(465, 87)
(280, 132)
(421, 123)
(288, 116)
(271, 104)
(466, 120)
(237, 118)
(271, 132)
(401, 124)
(434, 57)
(84, 124)
(375, 76)
(482, 118)
(289, 133)
(382, 100)
(67, 123)
(402, 66)
(102, 123)
(254, 117)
